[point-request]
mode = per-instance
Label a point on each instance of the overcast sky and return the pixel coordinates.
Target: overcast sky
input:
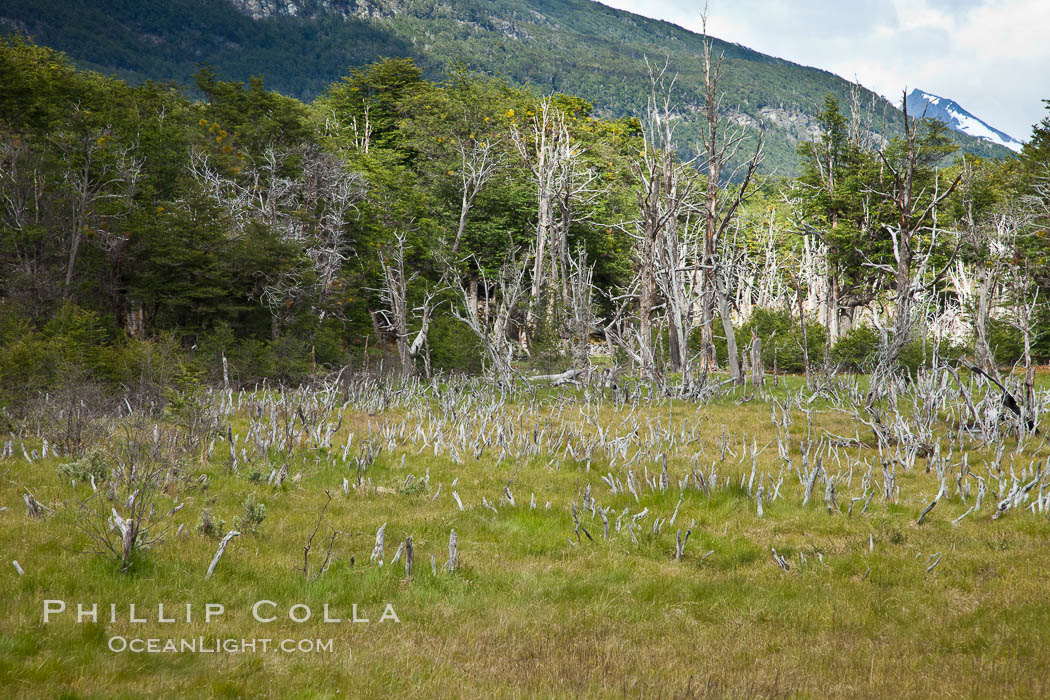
(990, 56)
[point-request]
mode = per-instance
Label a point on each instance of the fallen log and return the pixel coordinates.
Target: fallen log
(567, 377)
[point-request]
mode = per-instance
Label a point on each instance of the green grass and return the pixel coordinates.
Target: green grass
(527, 614)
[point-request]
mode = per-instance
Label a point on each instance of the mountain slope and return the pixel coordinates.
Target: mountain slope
(573, 46)
(952, 114)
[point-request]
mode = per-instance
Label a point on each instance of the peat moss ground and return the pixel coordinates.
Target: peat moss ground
(536, 607)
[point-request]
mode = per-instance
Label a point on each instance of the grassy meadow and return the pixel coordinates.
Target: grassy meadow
(542, 603)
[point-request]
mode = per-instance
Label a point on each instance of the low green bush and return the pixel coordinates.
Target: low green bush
(453, 346)
(781, 339)
(855, 351)
(90, 465)
(1005, 341)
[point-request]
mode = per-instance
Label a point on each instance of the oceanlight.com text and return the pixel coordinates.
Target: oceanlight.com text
(204, 645)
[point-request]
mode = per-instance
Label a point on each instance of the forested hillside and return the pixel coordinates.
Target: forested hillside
(468, 224)
(576, 47)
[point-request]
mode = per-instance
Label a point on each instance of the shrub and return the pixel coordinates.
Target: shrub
(76, 342)
(855, 351)
(917, 354)
(75, 413)
(191, 410)
(453, 346)
(781, 339)
(252, 515)
(1005, 341)
(329, 350)
(79, 338)
(149, 367)
(92, 464)
(287, 359)
(129, 517)
(208, 527)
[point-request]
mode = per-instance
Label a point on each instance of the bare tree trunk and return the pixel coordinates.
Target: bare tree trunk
(580, 320)
(396, 315)
(757, 374)
(395, 296)
(727, 327)
(646, 292)
(982, 350)
(664, 263)
(833, 308)
(802, 332)
(548, 151)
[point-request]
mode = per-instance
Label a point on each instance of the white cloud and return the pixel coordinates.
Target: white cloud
(991, 56)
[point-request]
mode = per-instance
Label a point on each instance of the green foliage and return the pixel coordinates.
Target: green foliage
(189, 408)
(372, 99)
(170, 40)
(148, 368)
(188, 251)
(453, 347)
(1006, 342)
(573, 47)
(919, 353)
(74, 342)
(252, 117)
(209, 527)
(781, 339)
(855, 351)
(1036, 152)
(91, 466)
(251, 517)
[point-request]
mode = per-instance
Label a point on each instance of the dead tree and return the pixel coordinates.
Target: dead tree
(478, 163)
(219, 552)
(308, 205)
(666, 185)
(797, 284)
(680, 286)
(981, 284)
(1024, 320)
(757, 375)
(580, 317)
(539, 150)
(77, 183)
(490, 317)
(577, 189)
(915, 210)
(761, 278)
(721, 147)
(129, 517)
(563, 185)
(1037, 215)
(396, 315)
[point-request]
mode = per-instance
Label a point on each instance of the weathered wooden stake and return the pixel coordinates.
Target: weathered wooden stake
(453, 540)
(218, 553)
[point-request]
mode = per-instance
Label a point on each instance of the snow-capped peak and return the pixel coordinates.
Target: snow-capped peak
(949, 112)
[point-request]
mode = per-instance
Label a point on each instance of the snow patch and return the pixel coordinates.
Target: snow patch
(959, 119)
(932, 99)
(969, 124)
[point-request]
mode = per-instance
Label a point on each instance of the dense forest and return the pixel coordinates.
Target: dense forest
(151, 241)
